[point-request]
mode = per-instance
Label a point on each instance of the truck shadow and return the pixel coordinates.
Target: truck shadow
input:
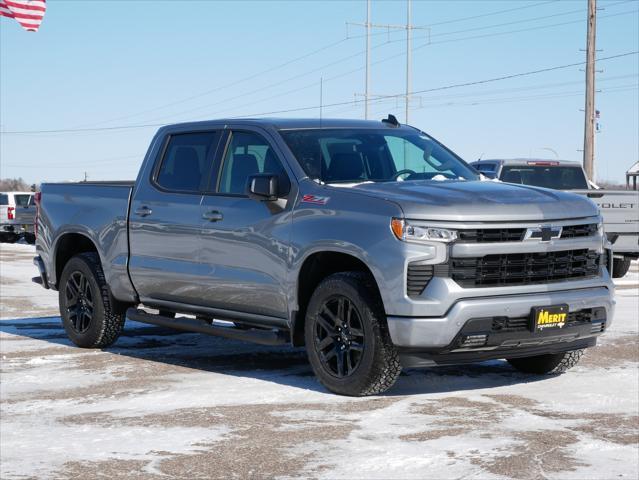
(287, 366)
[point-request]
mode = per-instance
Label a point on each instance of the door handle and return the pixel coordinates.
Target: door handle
(213, 216)
(143, 211)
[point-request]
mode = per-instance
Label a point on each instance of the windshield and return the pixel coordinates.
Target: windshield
(361, 155)
(555, 177)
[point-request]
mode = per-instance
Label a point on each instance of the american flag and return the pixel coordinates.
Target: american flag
(28, 13)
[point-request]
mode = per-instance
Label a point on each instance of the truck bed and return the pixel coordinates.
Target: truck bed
(620, 211)
(96, 210)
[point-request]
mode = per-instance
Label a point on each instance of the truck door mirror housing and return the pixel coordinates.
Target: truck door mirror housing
(263, 187)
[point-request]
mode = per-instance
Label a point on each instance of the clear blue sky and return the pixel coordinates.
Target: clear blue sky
(111, 63)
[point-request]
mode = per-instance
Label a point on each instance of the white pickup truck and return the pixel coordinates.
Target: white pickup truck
(17, 214)
(619, 208)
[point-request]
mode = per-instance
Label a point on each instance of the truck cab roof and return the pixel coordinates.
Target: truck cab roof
(530, 161)
(291, 123)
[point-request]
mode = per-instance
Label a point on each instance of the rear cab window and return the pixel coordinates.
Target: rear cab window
(22, 200)
(556, 177)
(187, 161)
(485, 167)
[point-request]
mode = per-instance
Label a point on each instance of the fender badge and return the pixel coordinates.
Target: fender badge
(315, 200)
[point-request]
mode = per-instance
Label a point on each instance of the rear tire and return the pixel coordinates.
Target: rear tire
(86, 307)
(347, 339)
(8, 238)
(553, 363)
(620, 266)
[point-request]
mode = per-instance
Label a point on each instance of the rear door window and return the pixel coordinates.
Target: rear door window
(187, 161)
(4, 199)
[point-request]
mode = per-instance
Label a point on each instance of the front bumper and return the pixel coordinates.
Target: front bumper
(439, 333)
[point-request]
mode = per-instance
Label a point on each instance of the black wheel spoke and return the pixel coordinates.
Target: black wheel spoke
(340, 363)
(72, 291)
(330, 354)
(340, 310)
(357, 332)
(331, 315)
(349, 364)
(330, 329)
(328, 341)
(356, 347)
(349, 311)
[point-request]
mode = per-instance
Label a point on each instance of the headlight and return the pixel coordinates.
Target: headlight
(412, 233)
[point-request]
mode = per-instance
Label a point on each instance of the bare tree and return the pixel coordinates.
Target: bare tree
(15, 184)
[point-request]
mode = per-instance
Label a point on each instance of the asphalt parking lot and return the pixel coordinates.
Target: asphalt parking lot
(159, 404)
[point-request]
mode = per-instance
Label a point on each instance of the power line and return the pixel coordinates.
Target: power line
(530, 29)
(355, 101)
(316, 51)
(278, 83)
(498, 12)
(391, 57)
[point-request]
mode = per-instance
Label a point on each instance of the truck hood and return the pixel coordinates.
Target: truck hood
(480, 201)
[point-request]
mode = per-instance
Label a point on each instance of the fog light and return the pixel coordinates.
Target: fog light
(474, 340)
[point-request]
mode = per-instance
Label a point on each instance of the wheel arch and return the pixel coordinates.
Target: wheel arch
(67, 246)
(316, 267)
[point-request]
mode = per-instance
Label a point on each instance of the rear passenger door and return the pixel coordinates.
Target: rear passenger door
(165, 220)
(245, 242)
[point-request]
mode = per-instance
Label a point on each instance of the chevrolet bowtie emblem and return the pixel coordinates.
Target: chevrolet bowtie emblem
(543, 233)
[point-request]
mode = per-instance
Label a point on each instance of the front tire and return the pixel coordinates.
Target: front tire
(86, 307)
(550, 364)
(620, 266)
(347, 339)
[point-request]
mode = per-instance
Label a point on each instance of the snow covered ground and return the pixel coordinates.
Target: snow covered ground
(165, 405)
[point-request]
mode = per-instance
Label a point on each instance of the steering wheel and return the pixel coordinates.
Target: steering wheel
(403, 172)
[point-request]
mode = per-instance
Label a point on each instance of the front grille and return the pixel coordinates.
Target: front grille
(596, 316)
(524, 268)
(488, 235)
(576, 231)
(418, 277)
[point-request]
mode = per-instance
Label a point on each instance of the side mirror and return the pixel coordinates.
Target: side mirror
(263, 187)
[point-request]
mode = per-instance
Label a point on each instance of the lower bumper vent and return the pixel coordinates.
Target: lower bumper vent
(418, 277)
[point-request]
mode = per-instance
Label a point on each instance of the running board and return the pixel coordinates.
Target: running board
(255, 335)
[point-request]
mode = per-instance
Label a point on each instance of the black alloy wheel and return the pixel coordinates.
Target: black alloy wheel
(339, 336)
(90, 315)
(79, 302)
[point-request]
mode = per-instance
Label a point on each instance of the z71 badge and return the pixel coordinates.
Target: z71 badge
(315, 199)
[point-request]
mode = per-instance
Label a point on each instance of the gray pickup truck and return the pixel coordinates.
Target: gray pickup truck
(368, 242)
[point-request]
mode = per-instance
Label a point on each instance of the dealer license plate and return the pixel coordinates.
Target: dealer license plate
(552, 317)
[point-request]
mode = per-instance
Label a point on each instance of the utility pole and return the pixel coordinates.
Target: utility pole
(409, 57)
(368, 57)
(589, 116)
